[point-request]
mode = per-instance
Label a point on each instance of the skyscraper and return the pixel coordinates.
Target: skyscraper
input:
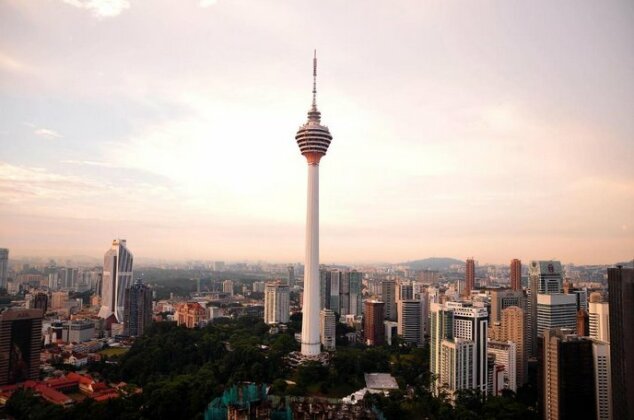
(4, 267)
(291, 276)
(373, 329)
(599, 319)
(516, 274)
(469, 276)
(544, 277)
(20, 344)
(602, 379)
(276, 303)
(117, 277)
(458, 331)
(621, 297)
(410, 321)
(505, 353)
(565, 376)
(388, 295)
(502, 299)
(514, 329)
(328, 329)
(313, 140)
(556, 311)
(138, 309)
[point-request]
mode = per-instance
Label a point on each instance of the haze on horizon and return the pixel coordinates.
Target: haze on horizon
(487, 129)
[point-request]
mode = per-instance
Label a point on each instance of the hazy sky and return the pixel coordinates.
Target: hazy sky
(493, 129)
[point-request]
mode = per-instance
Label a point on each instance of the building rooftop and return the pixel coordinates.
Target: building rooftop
(380, 381)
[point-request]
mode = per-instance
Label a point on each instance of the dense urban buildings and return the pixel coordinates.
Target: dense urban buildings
(313, 140)
(20, 344)
(117, 277)
(556, 311)
(599, 320)
(602, 379)
(505, 298)
(621, 299)
(138, 309)
(516, 274)
(276, 303)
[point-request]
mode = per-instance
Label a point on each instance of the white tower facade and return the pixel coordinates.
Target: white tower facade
(313, 140)
(117, 277)
(276, 303)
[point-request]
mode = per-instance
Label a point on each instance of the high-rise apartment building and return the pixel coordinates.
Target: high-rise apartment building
(621, 299)
(602, 379)
(138, 309)
(544, 277)
(117, 277)
(456, 365)
(328, 329)
(599, 320)
(388, 295)
(405, 291)
(565, 376)
(356, 298)
(410, 326)
(4, 268)
(313, 140)
(276, 303)
(20, 344)
(469, 276)
(373, 328)
(513, 328)
(440, 329)
(516, 274)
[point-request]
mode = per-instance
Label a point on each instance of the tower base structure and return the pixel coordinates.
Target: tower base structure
(296, 358)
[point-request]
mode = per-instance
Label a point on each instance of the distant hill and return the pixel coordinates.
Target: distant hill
(433, 263)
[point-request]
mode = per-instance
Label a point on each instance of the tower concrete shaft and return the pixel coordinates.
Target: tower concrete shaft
(313, 140)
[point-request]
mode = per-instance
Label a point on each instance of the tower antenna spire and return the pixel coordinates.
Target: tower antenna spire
(315, 80)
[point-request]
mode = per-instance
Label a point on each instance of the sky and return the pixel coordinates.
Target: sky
(486, 129)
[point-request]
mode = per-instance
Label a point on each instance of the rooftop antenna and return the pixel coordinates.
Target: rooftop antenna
(315, 80)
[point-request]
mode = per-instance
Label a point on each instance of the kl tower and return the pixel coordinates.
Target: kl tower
(313, 140)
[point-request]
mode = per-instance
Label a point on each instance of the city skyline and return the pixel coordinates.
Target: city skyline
(450, 142)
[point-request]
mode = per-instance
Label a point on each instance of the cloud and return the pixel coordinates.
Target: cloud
(47, 134)
(207, 3)
(90, 163)
(20, 183)
(101, 8)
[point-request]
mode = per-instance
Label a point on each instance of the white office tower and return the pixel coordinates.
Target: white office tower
(457, 327)
(544, 277)
(117, 277)
(602, 379)
(410, 319)
(4, 268)
(471, 323)
(328, 329)
(556, 311)
(313, 140)
(456, 365)
(505, 353)
(599, 317)
(276, 303)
